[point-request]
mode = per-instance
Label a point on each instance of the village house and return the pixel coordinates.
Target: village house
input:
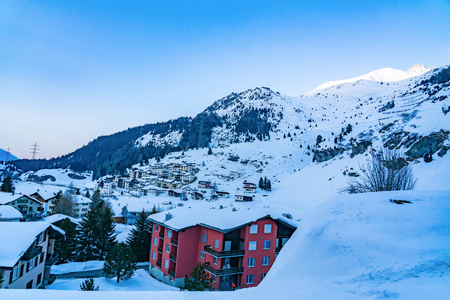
(249, 187)
(204, 184)
(47, 199)
(234, 246)
(27, 254)
(243, 198)
(81, 205)
(29, 207)
(222, 194)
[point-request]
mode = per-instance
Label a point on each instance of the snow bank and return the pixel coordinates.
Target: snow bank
(77, 267)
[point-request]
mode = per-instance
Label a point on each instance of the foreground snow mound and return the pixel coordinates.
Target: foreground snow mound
(379, 245)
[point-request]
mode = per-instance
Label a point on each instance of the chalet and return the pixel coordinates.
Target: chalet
(187, 178)
(47, 199)
(222, 194)
(234, 246)
(204, 184)
(249, 187)
(57, 219)
(9, 214)
(29, 207)
(27, 254)
(197, 196)
(174, 193)
(243, 198)
(135, 173)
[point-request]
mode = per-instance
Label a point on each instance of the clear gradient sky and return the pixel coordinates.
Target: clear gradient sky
(73, 70)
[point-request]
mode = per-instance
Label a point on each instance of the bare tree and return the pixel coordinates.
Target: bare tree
(387, 170)
(64, 205)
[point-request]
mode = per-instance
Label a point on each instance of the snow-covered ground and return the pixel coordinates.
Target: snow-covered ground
(77, 267)
(141, 281)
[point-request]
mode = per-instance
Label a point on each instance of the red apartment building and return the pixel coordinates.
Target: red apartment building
(234, 247)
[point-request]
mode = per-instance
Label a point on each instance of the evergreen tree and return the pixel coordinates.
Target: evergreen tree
(7, 185)
(65, 248)
(154, 210)
(269, 186)
(89, 285)
(260, 183)
(210, 151)
(120, 262)
(107, 229)
(88, 195)
(96, 198)
(198, 280)
(140, 237)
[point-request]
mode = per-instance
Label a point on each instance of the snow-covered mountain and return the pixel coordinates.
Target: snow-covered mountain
(6, 156)
(381, 75)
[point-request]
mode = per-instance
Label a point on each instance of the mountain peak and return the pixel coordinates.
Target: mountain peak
(380, 75)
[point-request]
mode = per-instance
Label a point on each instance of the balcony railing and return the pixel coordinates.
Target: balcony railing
(161, 235)
(158, 264)
(51, 260)
(174, 242)
(173, 258)
(32, 252)
(223, 254)
(222, 272)
(171, 273)
(51, 279)
(160, 250)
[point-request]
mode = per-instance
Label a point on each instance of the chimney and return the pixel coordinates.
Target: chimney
(168, 216)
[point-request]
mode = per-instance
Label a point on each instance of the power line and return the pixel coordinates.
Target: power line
(34, 150)
(8, 154)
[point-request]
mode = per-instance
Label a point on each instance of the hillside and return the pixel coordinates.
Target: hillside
(6, 156)
(347, 117)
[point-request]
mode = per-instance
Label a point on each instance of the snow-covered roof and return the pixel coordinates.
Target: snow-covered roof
(9, 213)
(58, 217)
(46, 195)
(76, 199)
(224, 220)
(17, 237)
(8, 197)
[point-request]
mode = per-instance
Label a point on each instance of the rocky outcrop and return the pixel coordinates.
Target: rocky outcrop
(360, 148)
(326, 154)
(429, 144)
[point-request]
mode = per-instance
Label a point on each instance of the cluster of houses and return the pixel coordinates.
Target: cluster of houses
(150, 179)
(39, 204)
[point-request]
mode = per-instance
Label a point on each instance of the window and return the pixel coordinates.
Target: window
(213, 278)
(166, 263)
(202, 254)
(268, 228)
(41, 259)
(263, 275)
(154, 255)
(254, 229)
(39, 278)
(169, 233)
(39, 239)
(215, 260)
(155, 241)
(252, 245)
(265, 260)
(156, 227)
(216, 244)
(167, 248)
(251, 262)
(22, 268)
(15, 274)
(250, 279)
(203, 238)
(31, 264)
(266, 245)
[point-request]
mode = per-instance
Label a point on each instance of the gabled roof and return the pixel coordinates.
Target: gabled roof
(6, 198)
(58, 217)
(17, 237)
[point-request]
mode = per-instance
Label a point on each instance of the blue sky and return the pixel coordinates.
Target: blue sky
(73, 70)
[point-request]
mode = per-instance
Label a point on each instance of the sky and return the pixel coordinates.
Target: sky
(71, 71)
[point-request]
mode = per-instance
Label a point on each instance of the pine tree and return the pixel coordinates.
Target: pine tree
(154, 210)
(88, 195)
(65, 248)
(210, 151)
(198, 280)
(140, 237)
(96, 197)
(87, 236)
(89, 285)
(120, 262)
(106, 231)
(260, 183)
(269, 186)
(7, 185)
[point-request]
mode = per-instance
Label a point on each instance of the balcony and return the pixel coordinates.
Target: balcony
(51, 279)
(174, 242)
(223, 254)
(51, 260)
(158, 264)
(222, 272)
(173, 258)
(161, 235)
(171, 273)
(160, 250)
(32, 252)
